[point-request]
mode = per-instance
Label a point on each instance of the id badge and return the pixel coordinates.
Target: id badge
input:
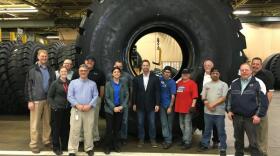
(76, 115)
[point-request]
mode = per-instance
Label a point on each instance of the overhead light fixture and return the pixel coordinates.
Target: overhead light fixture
(241, 12)
(18, 10)
(52, 37)
(15, 18)
(11, 9)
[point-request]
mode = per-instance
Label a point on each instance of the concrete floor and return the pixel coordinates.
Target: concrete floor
(14, 137)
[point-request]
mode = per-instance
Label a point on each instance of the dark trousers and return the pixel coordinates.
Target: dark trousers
(113, 126)
(60, 128)
(241, 125)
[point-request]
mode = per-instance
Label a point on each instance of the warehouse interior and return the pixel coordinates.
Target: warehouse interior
(28, 25)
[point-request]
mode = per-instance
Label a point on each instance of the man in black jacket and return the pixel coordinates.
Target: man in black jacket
(268, 79)
(246, 104)
(146, 99)
(38, 80)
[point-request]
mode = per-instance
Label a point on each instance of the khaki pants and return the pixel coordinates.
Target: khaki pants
(95, 131)
(262, 135)
(80, 121)
(40, 115)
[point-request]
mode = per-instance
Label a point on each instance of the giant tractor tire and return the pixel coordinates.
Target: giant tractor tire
(8, 94)
(67, 52)
(203, 29)
(275, 69)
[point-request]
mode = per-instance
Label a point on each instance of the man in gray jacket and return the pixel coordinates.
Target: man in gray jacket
(38, 80)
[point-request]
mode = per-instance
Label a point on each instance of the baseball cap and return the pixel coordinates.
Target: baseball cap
(186, 71)
(90, 57)
(167, 68)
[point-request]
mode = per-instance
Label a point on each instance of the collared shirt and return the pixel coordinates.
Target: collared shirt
(82, 92)
(244, 83)
(167, 89)
(117, 88)
(46, 77)
(146, 80)
(206, 78)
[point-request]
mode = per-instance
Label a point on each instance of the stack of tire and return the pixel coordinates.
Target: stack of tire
(15, 60)
(272, 63)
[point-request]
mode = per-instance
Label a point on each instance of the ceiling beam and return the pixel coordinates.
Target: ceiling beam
(27, 24)
(260, 19)
(50, 23)
(240, 3)
(36, 6)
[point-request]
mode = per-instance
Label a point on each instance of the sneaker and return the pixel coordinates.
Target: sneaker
(90, 153)
(117, 149)
(140, 143)
(186, 146)
(154, 143)
(202, 148)
(57, 152)
(166, 145)
(223, 152)
(72, 154)
(35, 151)
(107, 151)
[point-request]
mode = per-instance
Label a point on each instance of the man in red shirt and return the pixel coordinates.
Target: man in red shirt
(185, 104)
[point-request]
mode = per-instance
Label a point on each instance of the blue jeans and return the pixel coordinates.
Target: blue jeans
(166, 124)
(219, 122)
(186, 127)
(123, 130)
(141, 122)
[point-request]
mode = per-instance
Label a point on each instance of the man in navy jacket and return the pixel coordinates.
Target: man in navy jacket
(246, 105)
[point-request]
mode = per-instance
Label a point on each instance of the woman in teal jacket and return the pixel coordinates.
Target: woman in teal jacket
(116, 99)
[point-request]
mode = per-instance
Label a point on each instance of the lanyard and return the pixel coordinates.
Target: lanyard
(65, 86)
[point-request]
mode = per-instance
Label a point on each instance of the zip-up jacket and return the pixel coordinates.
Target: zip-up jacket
(57, 95)
(34, 83)
(253, 100)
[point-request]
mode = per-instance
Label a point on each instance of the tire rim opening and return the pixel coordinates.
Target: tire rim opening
(160, 49)
(163, 45)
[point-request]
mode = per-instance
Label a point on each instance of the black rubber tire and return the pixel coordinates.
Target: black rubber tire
(53, 50)
(275, 69)
(208, 26)
(16, 77)
(8, 96)
(68, 52)
(267, 61)
(203, 29)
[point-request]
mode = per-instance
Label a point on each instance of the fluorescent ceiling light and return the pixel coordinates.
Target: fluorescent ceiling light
(15, 18)
(52, 37)
(18, 11)
(241, 12)
(18, 8)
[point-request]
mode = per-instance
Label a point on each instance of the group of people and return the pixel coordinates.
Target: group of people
(67, 103)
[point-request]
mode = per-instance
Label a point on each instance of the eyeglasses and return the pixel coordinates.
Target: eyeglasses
(244, 70)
